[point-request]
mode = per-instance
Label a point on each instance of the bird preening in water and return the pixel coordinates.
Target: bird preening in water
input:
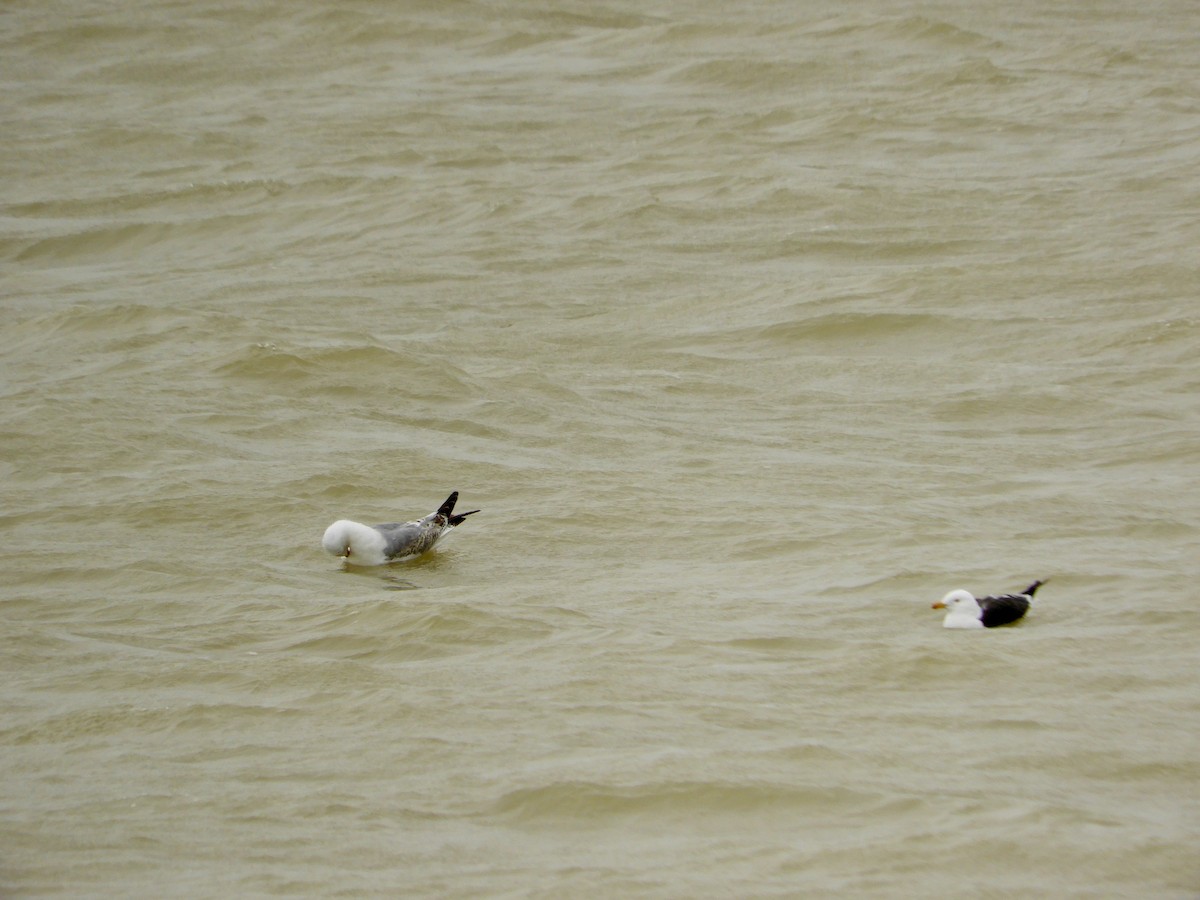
(964, 610)
(375, 545)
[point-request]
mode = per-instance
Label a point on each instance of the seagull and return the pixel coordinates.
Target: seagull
(374, 545)
(965, 611)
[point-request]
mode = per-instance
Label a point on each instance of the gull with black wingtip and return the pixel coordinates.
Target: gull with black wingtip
(376, 545)
(964, 610)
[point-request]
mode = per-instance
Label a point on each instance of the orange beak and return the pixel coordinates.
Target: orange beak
(938, 605)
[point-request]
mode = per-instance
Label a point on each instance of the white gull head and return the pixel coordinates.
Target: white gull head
(962, 610)
(355, 542)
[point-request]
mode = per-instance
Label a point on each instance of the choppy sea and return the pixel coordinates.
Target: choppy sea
(752, 329)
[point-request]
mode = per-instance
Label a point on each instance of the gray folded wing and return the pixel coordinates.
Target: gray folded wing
(408, 538)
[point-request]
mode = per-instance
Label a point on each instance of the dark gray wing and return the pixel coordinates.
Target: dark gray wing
(1003, 610)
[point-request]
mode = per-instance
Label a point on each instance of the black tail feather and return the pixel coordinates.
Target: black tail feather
(1028, 592)
(447, 510)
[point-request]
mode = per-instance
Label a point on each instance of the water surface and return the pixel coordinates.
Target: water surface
(752, 330)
